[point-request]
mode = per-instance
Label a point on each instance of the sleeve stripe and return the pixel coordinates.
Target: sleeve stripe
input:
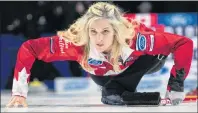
(137, 42)
(51, 45)
(152, 43)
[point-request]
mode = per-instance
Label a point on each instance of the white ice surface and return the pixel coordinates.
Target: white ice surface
(50, 102)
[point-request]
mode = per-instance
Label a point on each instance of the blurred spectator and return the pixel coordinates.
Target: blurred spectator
(80, 8)
(145, 7)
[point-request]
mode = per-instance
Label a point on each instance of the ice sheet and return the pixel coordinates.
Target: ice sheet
(50, 102)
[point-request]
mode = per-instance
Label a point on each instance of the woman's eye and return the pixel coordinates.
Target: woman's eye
(93, 32)
(105, 31)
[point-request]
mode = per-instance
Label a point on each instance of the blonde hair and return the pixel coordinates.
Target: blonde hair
(78, 32)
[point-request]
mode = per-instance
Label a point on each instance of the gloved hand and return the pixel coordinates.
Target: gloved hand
(175, 91)
(175, 97)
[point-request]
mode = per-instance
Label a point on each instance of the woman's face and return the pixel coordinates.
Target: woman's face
(101, 35)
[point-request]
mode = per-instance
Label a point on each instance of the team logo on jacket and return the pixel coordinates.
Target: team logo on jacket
(92, 61)
(141, 42)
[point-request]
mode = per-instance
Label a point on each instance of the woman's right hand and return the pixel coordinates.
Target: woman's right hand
(17, 101)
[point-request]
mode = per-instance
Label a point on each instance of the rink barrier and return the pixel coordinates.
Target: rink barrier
(86, 85)
(75, 86)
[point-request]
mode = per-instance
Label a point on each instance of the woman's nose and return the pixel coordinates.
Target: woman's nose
(99, 37)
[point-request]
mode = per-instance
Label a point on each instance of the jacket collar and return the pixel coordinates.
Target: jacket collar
(125, 53)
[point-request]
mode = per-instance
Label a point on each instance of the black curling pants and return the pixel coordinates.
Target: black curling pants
(130, 78)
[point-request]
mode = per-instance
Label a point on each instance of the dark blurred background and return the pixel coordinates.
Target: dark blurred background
(33, 19)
